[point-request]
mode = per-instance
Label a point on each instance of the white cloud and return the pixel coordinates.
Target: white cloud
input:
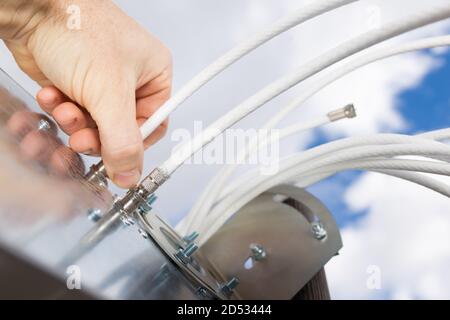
(405, 232)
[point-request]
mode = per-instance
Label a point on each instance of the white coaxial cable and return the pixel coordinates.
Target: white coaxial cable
(240, 196)
(335, 115)
(424, 180)
(341, 52)
(348, 111)
(306, 181)
(211, 192)
(305, 13)
(341, 144)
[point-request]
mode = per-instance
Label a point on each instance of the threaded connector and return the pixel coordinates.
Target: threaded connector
(153, 181)
(97, 176)
(348, 112)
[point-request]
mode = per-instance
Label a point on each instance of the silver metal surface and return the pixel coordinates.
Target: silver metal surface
(294, 255)
(125, 250)
(43, 222)
(195, 267)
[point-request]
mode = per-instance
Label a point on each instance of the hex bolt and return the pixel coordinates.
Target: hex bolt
(258, 252)
(94, 214)
(191, 238)
(185, 254)
(318, 230)
(190, 249)
(151, 199)
(202, 292)
(128, 221)
(146, 207)
(143, 233)
(228, 288)
(44, 125)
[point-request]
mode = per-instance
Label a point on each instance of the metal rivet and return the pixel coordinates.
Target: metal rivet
(258, 252)
(318, 230)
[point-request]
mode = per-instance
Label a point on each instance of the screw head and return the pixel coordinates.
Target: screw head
(318, 230)
(258, 252)
(44, 125)
(143, 233)
(94, 214)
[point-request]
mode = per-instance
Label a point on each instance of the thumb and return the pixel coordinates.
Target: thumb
(121, 141)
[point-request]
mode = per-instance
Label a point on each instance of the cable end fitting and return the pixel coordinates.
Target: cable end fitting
(154, 180)
(348, 112)
(97, 176)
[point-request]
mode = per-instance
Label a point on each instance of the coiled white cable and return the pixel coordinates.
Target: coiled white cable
(392, 167)
(225, 208)
(417, 178)
(301, 15)
(339, 145)
(211, 192)
(343, 51)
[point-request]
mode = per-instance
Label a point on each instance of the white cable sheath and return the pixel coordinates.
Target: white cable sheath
(194, 217)
(310, 11)
(240, 196)
(417, 178)
(226, 208)
(338, 145)
(380, 167)
(341, 52)
(210, 194)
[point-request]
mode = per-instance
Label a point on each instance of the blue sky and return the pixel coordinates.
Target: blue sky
(424, 107)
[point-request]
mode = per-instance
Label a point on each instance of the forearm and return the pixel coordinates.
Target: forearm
(18, 18)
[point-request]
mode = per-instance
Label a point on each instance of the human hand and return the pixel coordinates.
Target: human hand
(99, 82)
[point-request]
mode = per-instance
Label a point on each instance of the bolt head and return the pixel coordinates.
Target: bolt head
(258, 252)
(94, 214)
(318, 230)
(143, 233)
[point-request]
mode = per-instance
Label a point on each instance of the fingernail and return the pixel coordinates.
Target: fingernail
(127, 179)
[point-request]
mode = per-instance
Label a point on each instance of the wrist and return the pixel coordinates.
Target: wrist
(19, 18)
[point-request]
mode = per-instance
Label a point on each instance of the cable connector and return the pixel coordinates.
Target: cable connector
(348, 112)
(153, 181)
(97, 176)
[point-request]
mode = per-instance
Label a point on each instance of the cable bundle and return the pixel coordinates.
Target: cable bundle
(382, 153)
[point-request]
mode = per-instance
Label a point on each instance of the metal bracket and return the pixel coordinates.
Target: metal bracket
(295, 244)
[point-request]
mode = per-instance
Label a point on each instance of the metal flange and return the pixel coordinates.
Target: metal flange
(273, 248)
